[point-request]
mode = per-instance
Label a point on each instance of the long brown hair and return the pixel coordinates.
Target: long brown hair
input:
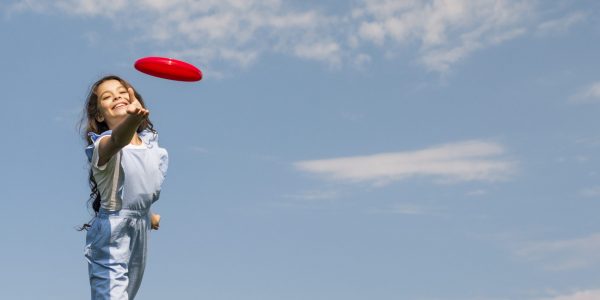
(91, 124)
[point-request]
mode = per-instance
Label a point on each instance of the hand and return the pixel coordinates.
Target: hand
(154, 221)
(135, 107)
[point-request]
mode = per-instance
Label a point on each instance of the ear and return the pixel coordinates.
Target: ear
(99, 118)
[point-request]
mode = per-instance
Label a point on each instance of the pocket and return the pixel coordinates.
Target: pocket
(92, 236)
(89, 237)
(92, 231)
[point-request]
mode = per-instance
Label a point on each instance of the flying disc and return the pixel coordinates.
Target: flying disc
(168, 68)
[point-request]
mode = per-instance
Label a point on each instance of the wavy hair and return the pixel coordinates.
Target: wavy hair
(89, 123)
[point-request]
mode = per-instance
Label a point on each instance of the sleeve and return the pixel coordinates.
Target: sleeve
(164, 161)
(151, 139)
(92, 150)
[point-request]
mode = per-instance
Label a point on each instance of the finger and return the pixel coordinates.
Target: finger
(132, 97)
(137, 111)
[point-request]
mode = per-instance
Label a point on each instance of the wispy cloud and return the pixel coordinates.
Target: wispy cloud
(24, 5)
(561, 25)
(587, 94)
(317, 199)
(315, 195)
(233, 31)
(590, 192)
(566, 254)
(447, 31)
(588, 141)
(198, 149)
(407, 209)
(578, 295)
(464, 161)
(239, 32)
(321, 51)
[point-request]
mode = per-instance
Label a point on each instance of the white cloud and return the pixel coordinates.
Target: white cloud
(233, 31)
(588, 94)
(562, 24)
(372, 31)
(567, 254)
(441, 60)
(24, 5)
(92, 7)
(324, 51)
(315, 195)
(447, 31)
(579, 295)
(465, 161)
(239, 32)
(406, 209)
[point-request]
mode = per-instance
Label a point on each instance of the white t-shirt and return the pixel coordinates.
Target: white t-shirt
(132, 178)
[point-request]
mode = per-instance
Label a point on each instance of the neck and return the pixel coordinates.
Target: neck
(136, 140)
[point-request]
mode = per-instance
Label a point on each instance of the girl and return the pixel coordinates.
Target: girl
(127, 169)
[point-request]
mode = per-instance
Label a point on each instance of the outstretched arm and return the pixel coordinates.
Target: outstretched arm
(123, 133)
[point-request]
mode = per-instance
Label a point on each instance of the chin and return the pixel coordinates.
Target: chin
(118, 117)
(120, 112)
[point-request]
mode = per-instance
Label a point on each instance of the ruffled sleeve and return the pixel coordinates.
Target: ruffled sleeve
(164, 161)
(91, 151)
(151, 140)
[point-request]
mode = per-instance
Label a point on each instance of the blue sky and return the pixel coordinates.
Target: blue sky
(367, 149)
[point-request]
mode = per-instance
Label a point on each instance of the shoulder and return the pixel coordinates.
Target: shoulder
(94, 138)
(149, 136)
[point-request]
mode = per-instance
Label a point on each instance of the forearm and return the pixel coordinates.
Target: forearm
(123, 133)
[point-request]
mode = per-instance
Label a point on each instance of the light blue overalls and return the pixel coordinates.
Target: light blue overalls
(116, 241)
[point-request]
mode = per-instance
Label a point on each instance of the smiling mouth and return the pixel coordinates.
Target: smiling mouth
(120, 105)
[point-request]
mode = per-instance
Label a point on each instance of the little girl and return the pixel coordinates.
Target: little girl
(127, 169)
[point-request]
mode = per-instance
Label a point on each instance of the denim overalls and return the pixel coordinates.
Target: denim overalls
(116, 241)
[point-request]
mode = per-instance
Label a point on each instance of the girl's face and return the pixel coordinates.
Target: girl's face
(113, 100)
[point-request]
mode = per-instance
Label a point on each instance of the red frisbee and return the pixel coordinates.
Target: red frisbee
(168, 68)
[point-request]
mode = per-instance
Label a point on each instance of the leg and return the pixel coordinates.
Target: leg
(107, 252)
(137, 260)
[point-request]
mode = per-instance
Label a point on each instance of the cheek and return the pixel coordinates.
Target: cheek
(102, 108)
